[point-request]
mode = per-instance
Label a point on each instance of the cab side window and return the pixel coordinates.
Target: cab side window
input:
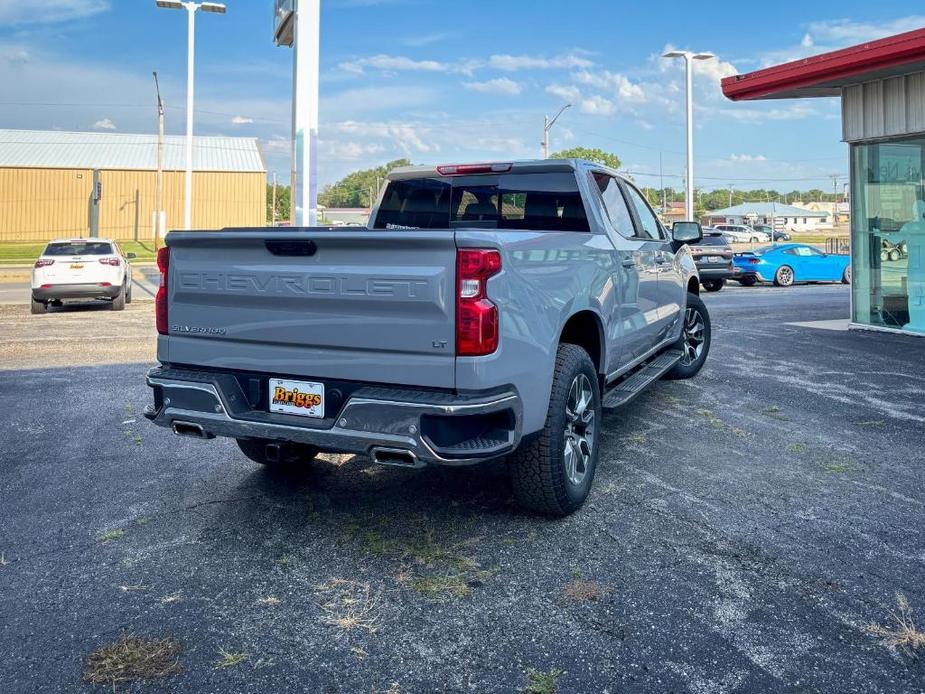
(615, 205)
(647, 220)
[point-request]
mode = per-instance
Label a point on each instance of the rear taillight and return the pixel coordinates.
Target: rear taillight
(43, 262)
(754, 261)
(160, 299)
(476, 316)
(109, 261)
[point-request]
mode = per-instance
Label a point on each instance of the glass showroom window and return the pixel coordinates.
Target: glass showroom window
(888, 234)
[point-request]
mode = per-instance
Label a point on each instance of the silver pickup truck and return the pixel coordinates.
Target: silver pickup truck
(488, 311)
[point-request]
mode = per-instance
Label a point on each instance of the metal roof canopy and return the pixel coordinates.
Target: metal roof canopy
(51, 149)
(826, 74)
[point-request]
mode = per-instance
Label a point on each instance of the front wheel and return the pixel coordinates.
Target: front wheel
(895, 254)
(694, 342)
(846, 276)
(553, 473)
(784, 276)
(289, 453)
(713, 285)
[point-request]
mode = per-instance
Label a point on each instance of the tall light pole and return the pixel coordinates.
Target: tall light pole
(547, 125)
(191, 8)
(689, 58)
(159, 215)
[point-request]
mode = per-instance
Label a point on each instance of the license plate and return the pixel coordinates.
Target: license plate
(715, 259)
(77, 267)
(302, 398)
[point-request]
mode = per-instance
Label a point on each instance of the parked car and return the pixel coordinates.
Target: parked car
(793, 262)
(773, 235)
(890, 251)
(713, 257)
(739, 233)
(488, 310)
(82, 269)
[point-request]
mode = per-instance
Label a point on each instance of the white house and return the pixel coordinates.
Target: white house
(762, 213)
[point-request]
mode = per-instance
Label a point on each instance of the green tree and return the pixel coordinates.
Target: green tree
(356, 189)
(283, 197)
(596, 155)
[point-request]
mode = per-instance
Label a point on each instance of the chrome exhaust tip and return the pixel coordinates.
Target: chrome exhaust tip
(190, 429)
(396, 457)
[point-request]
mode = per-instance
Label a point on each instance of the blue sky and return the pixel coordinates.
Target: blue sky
(442, 82)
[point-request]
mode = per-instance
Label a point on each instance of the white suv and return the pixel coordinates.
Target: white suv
(742, 234)
(81, 269)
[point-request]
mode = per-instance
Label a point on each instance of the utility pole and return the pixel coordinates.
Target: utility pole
(273, 206)
(547, 125)
(661, 176)
(160, 221)
(730, 195)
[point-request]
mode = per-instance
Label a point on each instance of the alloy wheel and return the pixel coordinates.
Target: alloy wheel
(692, 341)
(785, 276)
(579, 429)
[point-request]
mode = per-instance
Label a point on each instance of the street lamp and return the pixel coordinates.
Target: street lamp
(190, 8)
(547, 125)
(689, 57)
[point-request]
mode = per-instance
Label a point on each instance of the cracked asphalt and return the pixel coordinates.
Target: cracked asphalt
(745, 530)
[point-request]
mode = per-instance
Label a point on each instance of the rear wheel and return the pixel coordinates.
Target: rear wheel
(118, 303)
(288, 453)
(128, 294)
(748, 281)
(895, 254)
(713, 285)
(694, 342)
(553, 473)
(846, 276)
(39, 307)
(784, 276)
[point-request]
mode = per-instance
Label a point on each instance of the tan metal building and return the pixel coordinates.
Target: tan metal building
(46, 183)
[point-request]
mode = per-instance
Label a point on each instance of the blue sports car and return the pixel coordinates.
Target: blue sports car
(787, 263)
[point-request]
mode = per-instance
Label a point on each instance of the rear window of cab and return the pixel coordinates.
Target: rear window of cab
(79, 248)
(540, 202)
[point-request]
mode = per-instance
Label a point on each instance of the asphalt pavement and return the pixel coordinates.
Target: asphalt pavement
(746, 529)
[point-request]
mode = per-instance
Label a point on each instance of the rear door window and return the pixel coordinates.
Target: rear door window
(540, 202)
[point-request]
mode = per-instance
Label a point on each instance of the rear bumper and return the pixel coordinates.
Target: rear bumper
(722, 273)
(75, 291)
(428, 427)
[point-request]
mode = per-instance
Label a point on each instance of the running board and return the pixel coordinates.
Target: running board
(627, 390)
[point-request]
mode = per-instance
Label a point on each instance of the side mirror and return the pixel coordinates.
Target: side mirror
(686, 232)
(130, 256)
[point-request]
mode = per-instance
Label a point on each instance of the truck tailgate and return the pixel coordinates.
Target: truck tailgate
(372, 306)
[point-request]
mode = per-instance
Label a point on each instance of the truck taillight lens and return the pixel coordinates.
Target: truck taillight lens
(476, 316)
(42, 262)
(109, 261)
(160, 299)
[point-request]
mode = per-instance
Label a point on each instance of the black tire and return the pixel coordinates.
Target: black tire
(846, 276)
(713, 285)
(748, 281)
(538, 468)
(895, 254)
(784, 276)
(39, 307)
(691, 338)
(753, 239)
(128, 294)
(290, 453)
(118, 303)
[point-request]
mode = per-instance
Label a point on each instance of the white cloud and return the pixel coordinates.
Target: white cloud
(241, 120)
(48, 11)
(846, 32)
(104, 124)
(349, 150)
(598, 106)
(396, 63)
(616, 84)
(501, 85)
(566, 92)
(747, 158)
(405, 136)
(511, 63)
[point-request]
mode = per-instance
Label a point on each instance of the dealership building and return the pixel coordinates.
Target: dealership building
(60, 184)
(881, 85)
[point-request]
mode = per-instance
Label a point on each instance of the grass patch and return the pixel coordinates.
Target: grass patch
(228, 659)
(581, 590)
(453, 585)
(112, 535)
(873, 423)
(720, 425)
(774, 412)
(350, 606)
(902, 634)
(635, 440)
(796, 447)
(133, 658)
(837, 467)
(542, 681)
(26, 253)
